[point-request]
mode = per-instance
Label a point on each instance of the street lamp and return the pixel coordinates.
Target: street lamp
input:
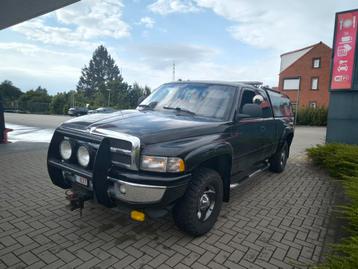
(109, 96)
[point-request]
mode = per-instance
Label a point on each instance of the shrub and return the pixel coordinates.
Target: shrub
(341, 161)
(312, 116)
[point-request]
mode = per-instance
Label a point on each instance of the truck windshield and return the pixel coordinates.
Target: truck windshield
(205, 100)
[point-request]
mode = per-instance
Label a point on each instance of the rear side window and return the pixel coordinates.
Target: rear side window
(281, 104)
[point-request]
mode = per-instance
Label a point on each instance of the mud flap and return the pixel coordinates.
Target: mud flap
(102, 164)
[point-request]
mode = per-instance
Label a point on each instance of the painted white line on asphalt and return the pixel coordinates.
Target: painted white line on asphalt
(29, 133)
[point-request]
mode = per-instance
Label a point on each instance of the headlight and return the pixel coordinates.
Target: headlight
(162, 164)
(65, 149)
(83, 156)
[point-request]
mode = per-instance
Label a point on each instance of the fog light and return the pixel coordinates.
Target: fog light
(83, 156)
(137, 215)
(122, 189)
(65, 149)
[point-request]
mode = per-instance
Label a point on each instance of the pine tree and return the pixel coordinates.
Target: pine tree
(99, 74)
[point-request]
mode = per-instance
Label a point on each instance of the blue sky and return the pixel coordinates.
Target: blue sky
(207, 39)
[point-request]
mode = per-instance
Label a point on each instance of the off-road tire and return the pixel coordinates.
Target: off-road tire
(279, 160)
(186, 210)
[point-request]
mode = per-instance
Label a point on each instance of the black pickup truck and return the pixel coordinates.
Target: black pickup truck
(182, 150)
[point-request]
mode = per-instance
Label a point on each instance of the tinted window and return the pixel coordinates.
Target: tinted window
(259, 97)
(281, 105)
(206, 100)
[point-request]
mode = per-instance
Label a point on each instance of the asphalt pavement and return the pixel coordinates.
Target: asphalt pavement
(36, 120)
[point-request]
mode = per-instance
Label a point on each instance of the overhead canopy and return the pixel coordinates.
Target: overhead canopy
(16, 11)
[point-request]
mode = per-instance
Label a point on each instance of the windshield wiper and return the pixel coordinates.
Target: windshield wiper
(180, 110)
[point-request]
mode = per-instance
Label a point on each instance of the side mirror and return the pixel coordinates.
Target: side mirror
(140, 99)
(252, 110)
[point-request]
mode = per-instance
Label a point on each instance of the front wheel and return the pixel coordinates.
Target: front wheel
(279, 160)
(197, 212)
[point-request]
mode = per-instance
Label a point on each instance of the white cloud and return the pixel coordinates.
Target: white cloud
(37, 30)
(28, 66)
(274, 24)
(147, 22)
(79, 24)
(93, 18)
(154, 65)
(165, 7)
(144, 72)
(160, 56)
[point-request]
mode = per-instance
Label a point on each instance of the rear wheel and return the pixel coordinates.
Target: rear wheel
(279, 160)
(197, 212)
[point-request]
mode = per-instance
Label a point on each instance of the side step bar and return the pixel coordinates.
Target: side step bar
(234, 185)
(259, 171)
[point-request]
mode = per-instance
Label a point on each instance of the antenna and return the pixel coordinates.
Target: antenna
(173, 70)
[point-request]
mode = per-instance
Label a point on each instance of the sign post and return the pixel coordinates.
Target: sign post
(342, 124)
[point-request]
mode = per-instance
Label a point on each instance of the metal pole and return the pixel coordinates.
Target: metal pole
(109, 96)
(297, 106)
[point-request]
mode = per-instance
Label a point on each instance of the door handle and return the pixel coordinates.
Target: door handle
(262, 128)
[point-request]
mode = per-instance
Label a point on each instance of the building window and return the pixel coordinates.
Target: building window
(291, 84)
(314, 84)
(316, 62)
(312, 104)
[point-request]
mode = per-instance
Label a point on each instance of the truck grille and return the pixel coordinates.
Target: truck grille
(121, 156)
(124, 148)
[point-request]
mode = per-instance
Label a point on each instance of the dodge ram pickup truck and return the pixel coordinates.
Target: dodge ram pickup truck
(181, 150)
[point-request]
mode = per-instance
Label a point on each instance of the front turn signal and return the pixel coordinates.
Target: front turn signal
(137, 215)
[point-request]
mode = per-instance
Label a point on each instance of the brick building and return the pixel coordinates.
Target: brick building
(306, 72)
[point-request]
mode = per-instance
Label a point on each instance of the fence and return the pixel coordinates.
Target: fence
(28, 107)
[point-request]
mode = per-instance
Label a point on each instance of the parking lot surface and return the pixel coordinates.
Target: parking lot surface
(272, 221)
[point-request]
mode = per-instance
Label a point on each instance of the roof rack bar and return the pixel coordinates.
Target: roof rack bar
(256, 84)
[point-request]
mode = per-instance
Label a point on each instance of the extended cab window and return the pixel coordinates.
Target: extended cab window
(258, 97)
(281, 105)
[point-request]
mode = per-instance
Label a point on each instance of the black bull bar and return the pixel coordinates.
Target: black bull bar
(98, 175)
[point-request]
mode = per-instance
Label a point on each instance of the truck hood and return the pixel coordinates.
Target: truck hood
(150, 126)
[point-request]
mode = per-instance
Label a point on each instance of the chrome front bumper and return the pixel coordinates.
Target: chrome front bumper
(135, 193)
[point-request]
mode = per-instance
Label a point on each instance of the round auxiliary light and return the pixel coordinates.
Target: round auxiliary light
(65, 149)
(83, 156)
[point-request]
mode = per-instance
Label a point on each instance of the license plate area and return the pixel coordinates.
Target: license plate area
(81, 180)
(78, 180)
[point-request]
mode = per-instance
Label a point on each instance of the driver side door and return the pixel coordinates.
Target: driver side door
(247, 138)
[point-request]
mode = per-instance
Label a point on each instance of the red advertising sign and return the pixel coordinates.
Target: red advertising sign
(344, 50)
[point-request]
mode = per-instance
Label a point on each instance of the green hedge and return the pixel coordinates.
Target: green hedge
(312, 116)
(341, 161)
